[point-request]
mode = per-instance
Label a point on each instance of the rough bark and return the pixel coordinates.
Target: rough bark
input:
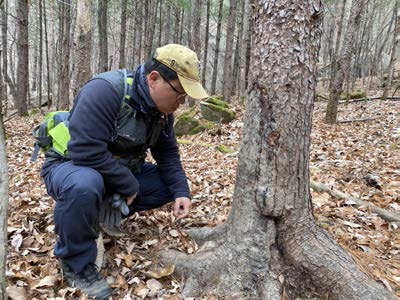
(83, 44)
(207, 34)
(167, 25)
(103, 35)
(3, 211)
(23, 58)
(122, 37)
(270, 243)
(239, 41)
(395, 45)
(248, 46)
(197, 40)
(49, 91)
(217, 47)
(228, 72)
(64, 68)
(344, 62)
(40, 71)
(138, 32)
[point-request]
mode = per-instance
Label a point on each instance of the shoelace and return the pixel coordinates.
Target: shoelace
(90, 273)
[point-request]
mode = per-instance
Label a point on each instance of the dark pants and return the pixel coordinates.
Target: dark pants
(78, 192)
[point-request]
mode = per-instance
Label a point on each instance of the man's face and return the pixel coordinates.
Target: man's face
(167, 95)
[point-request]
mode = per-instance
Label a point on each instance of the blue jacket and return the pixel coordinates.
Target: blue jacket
(92, 124)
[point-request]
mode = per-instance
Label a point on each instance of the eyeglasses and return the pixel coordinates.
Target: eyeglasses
(180, 94)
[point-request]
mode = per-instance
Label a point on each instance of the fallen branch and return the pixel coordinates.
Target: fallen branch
(10, 116)
(358, 120)
(384, 214)
(367, 99)
(220, 148)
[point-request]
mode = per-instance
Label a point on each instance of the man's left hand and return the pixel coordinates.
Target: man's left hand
(181, 207)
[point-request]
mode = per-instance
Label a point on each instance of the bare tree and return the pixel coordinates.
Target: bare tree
(23, 58)
(343, 64)
(122, 38)
(3, 211)
(103, 35)
(46, 38)
(83, 44)
(230, 30)
(207, 33)
(395, 45)
(64, 59)
(217, 47)
(270, 243)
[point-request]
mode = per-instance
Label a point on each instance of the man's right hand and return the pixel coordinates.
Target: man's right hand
(129, 200)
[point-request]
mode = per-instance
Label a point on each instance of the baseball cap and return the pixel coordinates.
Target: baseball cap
(186, 65)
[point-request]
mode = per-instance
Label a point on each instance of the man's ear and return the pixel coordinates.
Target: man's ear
(152, 77)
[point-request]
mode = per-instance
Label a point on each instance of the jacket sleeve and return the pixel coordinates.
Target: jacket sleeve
(166, 154)
(91, 127)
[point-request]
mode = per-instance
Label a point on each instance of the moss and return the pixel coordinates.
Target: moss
(188, 142)
(34, 111)
(216, 100)
(216, 113)
(224, 149)
(187, 113)
(185, 125)
(357, 94)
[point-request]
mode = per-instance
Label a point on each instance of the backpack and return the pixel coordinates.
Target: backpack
(52, 133)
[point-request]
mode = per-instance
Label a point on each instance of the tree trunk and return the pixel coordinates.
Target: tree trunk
(345, 61)
(40, 71)
(49, 91)
(122, 38)
(138, 37)
(230, 30)
(248, 47)
(270, 245)
(3, 211)
(239, 41)
(395, 45)
(23, 57)
(167, 24)
(64, 69)
(152, 28)
(217, 47)
(207, 33)
(197, 40)
(177, 15)
(103, 35)
(83, 45)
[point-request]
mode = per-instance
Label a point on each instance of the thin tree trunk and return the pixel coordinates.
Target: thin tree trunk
(122, 39)
(64, 76)
(177, 15)
(344, 61)
(248, 47)
(237, 58)
(395, 45)
(23, 58)
(40, 75)
(270, 247)
(152, 29)
(207, 33)
(138, 37)
(181, 26)
(3, 211)
(197, 40)
(189, 26)
(227, 78)
(103, 35)
(167, 25)
(83, 45)
(49, 91)
(217, 47)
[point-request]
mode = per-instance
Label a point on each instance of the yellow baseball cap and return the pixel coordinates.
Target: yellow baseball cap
(186, 65)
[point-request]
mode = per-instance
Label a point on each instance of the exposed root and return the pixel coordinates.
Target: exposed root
(203, 234)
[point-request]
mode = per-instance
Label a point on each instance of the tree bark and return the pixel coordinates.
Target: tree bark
(122, 38)
(197, 40)
(230, 30)
(239, 41)
(395, 45)
(64, 69)
(23, 58)
(83, 44)
(270, 244)
(46, 37)
(40, 71)
(3, 211)
(345, 61)
(103, 35)
(217, 47)
(207, 33)
(138, 32)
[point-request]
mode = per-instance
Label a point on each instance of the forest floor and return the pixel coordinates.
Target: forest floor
(341, 156)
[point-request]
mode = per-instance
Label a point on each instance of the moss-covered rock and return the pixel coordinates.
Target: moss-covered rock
(187, 124)
(216, 113)
(34, 111)
(217, 100)
(224, 149)
(356, 94)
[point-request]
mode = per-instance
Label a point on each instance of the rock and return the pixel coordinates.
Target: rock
(356, 94)
(216, 113)
(187, 124)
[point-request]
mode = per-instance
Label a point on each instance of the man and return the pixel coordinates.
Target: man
(109, 136)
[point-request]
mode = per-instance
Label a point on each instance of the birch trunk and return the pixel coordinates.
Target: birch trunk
(270, 244)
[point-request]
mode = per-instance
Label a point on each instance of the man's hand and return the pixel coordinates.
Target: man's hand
(130, 199)
(181, 207)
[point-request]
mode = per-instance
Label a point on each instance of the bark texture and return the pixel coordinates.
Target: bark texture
(270, 244)
(3, 211)
(103, 35)
(217, 47)
(83, 44)
(344, 62)
(23, 58)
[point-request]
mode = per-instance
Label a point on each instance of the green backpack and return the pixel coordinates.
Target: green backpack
(52, 133)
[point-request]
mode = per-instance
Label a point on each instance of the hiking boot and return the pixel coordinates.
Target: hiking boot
(88, 281)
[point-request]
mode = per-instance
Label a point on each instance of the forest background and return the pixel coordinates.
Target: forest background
(50, 48)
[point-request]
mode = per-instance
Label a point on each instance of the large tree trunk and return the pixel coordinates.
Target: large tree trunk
(217, 47)
(396, 41)
(3, 211)
(270, 245)
(83, 45)
(23, 58)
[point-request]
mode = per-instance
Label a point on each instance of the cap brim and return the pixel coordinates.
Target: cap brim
(193, 88)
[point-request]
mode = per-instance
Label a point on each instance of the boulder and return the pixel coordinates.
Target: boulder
(188, 125)
(216, 110)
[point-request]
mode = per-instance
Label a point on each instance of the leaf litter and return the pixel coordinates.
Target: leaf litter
(342, 156)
